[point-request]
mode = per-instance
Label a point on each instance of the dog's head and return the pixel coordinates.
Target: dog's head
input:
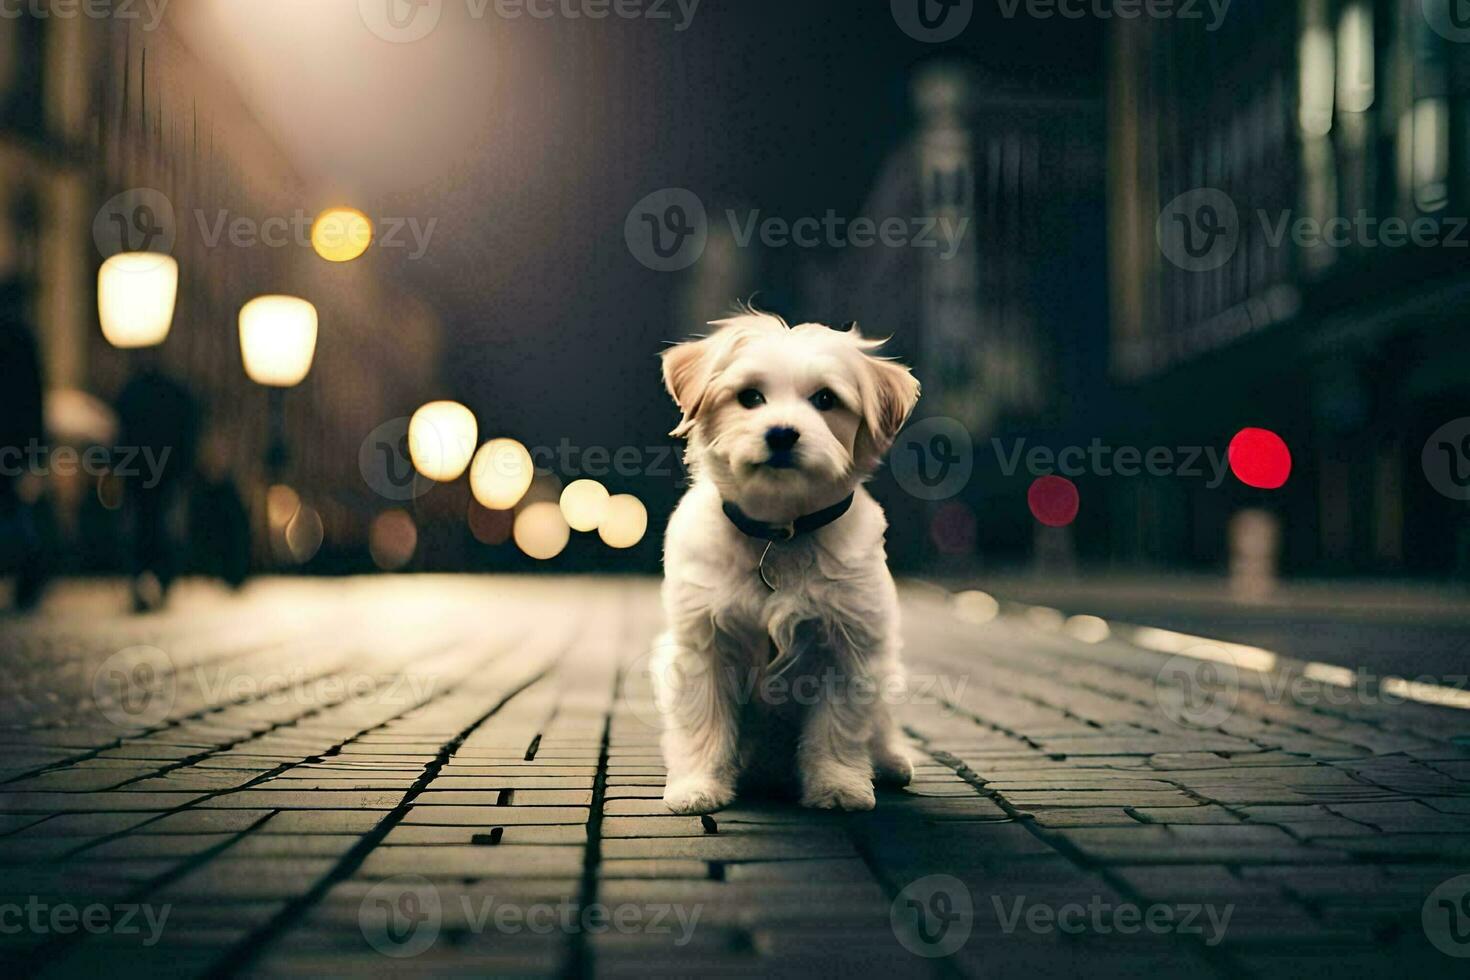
(786, 413)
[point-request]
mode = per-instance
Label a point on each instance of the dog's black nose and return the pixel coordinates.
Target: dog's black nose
(782, 439)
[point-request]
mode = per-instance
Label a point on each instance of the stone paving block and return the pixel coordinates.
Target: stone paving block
(156, 846)
(474, 862)
(287, 799)
(83, 825)
(488, 834)
(458, 816)
(321, 822)
(726, 847)
(115, 800)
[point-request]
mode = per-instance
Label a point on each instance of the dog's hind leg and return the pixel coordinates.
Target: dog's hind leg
(891, 764)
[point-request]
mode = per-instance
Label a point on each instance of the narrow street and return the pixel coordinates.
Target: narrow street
(462, 774)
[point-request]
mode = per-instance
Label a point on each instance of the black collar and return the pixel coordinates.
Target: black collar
(805, 524)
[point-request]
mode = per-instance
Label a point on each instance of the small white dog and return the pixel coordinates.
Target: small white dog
(782, 617)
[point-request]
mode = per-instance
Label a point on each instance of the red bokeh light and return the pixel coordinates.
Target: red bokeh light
(1054, 501)
(1259, 458)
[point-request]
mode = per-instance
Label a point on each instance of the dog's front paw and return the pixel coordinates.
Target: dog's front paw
(839, 793)
(698, 794)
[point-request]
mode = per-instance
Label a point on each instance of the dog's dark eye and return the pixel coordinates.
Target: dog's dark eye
(750, 398)
(825, 400)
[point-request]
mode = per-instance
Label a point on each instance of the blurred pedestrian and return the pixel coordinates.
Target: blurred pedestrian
(23, 549)
(159, 419)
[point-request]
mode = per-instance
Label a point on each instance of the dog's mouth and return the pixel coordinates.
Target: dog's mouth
(781, 459)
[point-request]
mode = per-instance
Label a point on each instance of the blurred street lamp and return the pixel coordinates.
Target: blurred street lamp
(541, 532)
(278, 340)
(136, 292)
(278, 344)
(341, 234)
(441, 440)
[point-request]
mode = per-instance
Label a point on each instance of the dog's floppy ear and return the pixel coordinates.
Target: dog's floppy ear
(890, 393)
(688, 368)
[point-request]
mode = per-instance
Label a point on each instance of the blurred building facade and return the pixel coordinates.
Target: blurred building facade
(1339, 131)
(1005, 319)
(90, 109)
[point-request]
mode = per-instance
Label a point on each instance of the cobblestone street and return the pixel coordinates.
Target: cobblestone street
(458, 775)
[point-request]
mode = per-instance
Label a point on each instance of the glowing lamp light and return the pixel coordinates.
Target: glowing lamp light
(278, 340)
(136, 292)
(341, 234)
(624, 523)
(1260, 458)
(441, 440)
(541, 532)
(584, 504)
(501, 474)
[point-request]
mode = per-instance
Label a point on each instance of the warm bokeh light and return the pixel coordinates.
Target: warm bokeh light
(490, 527)
(341, 234)
(392, 540)
(583, 504)
(976, 607)
(278, 339)
(1088, 629)
(304, 535)
(1260, 458)
(281, 504)
(441, 440)
(541, 532)
(624, 523)
(501, 474)
(136, 292)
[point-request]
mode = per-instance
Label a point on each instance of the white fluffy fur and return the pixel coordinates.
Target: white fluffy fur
(835, 610)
